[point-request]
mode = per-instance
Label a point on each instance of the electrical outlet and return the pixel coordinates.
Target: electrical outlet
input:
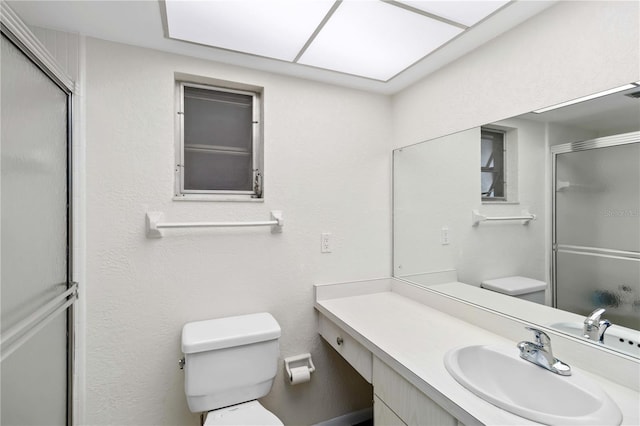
(444, 235)
(325, 242)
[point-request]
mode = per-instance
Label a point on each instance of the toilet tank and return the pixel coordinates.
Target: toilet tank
(521, 287)
(229, 360)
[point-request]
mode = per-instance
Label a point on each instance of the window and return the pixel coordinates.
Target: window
(492, 168)
(220, 150)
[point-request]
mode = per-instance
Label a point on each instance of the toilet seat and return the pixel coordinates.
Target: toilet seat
(247, 414)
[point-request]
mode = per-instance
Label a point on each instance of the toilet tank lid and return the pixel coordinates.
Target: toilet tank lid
(227, 332)
(514, 286)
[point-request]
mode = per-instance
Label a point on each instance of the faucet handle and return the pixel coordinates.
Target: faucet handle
(539, 353)
(594, 317)
(542, 338)
(594, 327)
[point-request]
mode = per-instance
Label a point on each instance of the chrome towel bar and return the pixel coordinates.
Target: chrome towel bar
(154, 224)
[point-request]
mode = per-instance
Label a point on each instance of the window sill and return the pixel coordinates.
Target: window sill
(218, 198)
(502, 203)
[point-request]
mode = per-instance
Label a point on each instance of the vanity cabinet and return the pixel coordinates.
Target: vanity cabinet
(383, 415)
(410, 405)
(396, 401)
(357, 355)
(393, 335)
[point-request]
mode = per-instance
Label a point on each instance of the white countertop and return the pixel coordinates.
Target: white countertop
(413, 338)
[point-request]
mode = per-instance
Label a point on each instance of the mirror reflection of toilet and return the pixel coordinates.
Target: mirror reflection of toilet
(229, 363)
(520, 287)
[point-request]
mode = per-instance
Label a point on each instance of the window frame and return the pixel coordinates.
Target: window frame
(505, 183)
(257, 192)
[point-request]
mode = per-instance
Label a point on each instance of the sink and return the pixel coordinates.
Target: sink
(618, 338)
(499, 376)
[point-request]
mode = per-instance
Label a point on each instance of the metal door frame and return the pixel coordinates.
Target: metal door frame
(17, 32)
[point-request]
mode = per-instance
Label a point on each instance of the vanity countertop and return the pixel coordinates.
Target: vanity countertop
(412, 338)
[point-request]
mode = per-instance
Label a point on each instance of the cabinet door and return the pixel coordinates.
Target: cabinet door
(410, 404)
(352, 351)
(383, 416)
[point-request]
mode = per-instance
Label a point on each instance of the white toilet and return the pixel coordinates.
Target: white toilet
(228, 364)
(520, 287)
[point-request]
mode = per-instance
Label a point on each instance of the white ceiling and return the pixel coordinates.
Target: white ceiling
(141, 23)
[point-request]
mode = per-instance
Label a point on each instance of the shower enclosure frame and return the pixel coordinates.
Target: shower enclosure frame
(603, 142)
(18, 33)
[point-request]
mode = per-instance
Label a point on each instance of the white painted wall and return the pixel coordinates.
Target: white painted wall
(567, 51)
(327, 166)
(571, 49)
(558, 134)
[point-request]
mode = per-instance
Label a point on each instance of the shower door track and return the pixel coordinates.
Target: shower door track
(599, 252)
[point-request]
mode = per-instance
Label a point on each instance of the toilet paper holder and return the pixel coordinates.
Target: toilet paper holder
(302, 360)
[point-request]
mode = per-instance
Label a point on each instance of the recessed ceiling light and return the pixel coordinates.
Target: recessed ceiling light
(467, 13)
(588, 97)
(366, 38)
(375, 39)
(275, 28)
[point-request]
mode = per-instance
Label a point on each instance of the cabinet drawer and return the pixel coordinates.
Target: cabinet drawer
(352, 351)
(383, 416)
(404, 399)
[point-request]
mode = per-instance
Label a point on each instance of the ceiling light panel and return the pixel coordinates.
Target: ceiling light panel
(588, 97)
(467, 13)
(375, 40)
(275, 28)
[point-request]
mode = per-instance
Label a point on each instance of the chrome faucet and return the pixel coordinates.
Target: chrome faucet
(594, 327)
(539, 353)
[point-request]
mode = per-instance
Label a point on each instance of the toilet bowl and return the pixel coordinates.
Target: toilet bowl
(245, 414)
(229, 363)
(520, 287)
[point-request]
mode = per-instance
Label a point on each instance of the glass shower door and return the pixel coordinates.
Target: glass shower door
(597, 231)
(35, 296)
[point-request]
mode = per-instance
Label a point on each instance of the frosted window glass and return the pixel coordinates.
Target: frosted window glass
(206, 170)
(217, 119)
(34, 237)
(218, 140)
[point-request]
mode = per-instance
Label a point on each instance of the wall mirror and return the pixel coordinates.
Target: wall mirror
(574, 171)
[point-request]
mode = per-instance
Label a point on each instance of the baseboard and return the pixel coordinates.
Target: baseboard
(349, 419)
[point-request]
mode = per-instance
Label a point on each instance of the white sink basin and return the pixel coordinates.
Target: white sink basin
(501, 377)
(618, 338)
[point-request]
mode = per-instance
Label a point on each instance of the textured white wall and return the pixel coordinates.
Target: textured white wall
(327, 166)
(567, 51)
(570, 50)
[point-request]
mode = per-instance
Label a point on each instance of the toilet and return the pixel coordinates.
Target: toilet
(228, 364)
(520, 287)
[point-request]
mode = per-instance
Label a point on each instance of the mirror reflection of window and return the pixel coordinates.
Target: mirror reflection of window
(492, 167)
